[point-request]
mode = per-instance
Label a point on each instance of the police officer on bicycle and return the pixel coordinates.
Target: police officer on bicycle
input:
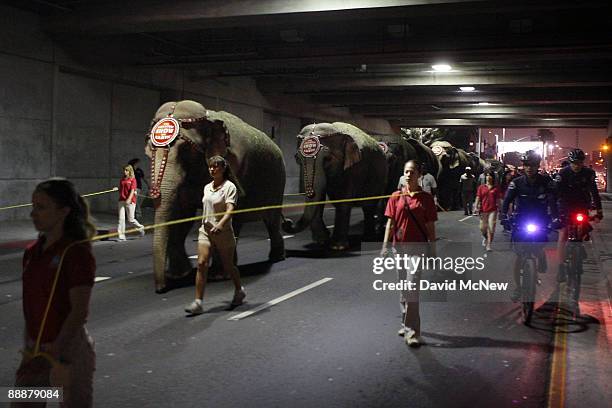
(533, 195)
(576, 192)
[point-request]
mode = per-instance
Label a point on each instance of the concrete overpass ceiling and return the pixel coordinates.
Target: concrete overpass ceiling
(535, 62)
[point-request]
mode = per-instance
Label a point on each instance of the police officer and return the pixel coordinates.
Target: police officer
(576, 192)
(533, 195)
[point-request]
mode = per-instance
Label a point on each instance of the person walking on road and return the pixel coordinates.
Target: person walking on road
(411, 214)
(216, 232)
(468, 186)
(62, 251)
(127, 203)
(140, 181)
(488, 202)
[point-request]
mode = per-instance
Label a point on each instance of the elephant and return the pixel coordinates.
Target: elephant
(397, 152)
(453, 162)
(179, 172)
(338, 161)
(426, 157)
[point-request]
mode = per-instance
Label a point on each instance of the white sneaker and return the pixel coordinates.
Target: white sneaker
(401, 332)
(141, 231)
(489, 248)
(411, 338)
(484, 242)
(195, 308)
(122, 238)
(239, 297)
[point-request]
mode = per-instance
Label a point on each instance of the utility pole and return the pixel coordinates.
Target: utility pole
(577, 138)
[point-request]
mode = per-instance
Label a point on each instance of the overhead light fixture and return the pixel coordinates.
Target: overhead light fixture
(442, 67)
(467, 88)
(483, 103)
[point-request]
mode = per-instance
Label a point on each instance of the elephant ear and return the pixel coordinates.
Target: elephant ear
(352, 154)
(215, 137)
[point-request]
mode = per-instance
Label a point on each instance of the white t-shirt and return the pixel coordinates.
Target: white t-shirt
(215, 202)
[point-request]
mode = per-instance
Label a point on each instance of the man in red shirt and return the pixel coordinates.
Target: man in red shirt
(488, 199)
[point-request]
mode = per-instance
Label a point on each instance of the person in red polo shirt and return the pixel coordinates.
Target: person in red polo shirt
(412, 215)
(488, 200)
(127, 203)
(62, 218)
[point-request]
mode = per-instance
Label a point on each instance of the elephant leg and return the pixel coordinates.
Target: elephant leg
(272, 221)
(341, 228)
(179, 265)
(320, 233)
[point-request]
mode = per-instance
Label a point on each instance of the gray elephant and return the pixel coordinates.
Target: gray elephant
(453, 162)
(397, 152)
(426, 157)
(339, 161)
(183, 136)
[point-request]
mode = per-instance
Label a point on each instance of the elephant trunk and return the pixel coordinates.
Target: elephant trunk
(170, 261)
(315, 187)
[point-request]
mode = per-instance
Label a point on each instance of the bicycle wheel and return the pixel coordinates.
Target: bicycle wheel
(574, 278)
(528, 284)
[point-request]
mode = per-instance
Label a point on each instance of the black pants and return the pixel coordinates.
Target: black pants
(467, 197)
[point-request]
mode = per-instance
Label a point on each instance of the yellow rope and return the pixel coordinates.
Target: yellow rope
(84, 195)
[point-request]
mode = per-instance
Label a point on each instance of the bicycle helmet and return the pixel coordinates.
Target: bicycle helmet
(576, 155)
(531, 158)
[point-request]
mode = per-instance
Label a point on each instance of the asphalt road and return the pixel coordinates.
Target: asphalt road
(334, 345)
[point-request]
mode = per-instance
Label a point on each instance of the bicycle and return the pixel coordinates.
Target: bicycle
(527, 238)
(578, 230)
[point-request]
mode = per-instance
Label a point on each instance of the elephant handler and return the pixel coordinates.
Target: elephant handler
(412, 215)
(488, 202)
(468, 187)
(216, 232)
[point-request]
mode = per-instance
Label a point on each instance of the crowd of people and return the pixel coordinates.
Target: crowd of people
(525, 193)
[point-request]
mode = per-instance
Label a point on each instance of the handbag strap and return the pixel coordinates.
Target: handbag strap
(407, 207)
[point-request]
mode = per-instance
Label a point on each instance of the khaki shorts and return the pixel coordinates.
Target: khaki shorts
(221, 239)
(488, 220)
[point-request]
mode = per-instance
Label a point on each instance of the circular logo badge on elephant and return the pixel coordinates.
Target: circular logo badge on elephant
(383, 146)
(437, 150)
(164, 132)
(310, 146)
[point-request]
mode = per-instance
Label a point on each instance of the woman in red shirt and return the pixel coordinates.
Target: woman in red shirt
(62, 217)
(488, 199)
(412, 215)
(127, 203)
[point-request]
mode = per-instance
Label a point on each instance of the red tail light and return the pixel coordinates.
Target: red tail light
(579, 217)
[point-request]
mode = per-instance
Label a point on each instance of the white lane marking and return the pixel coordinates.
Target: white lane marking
(101, 278)
(463, 219)
(279, 299)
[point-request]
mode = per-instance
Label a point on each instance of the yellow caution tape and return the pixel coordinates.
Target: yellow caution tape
(84, 195)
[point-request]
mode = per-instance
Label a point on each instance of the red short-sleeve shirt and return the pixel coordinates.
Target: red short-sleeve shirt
(125, 186)
(488, 197)
(39, 267)
(422, 206)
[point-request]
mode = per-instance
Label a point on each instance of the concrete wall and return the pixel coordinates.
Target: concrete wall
(61, 117)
